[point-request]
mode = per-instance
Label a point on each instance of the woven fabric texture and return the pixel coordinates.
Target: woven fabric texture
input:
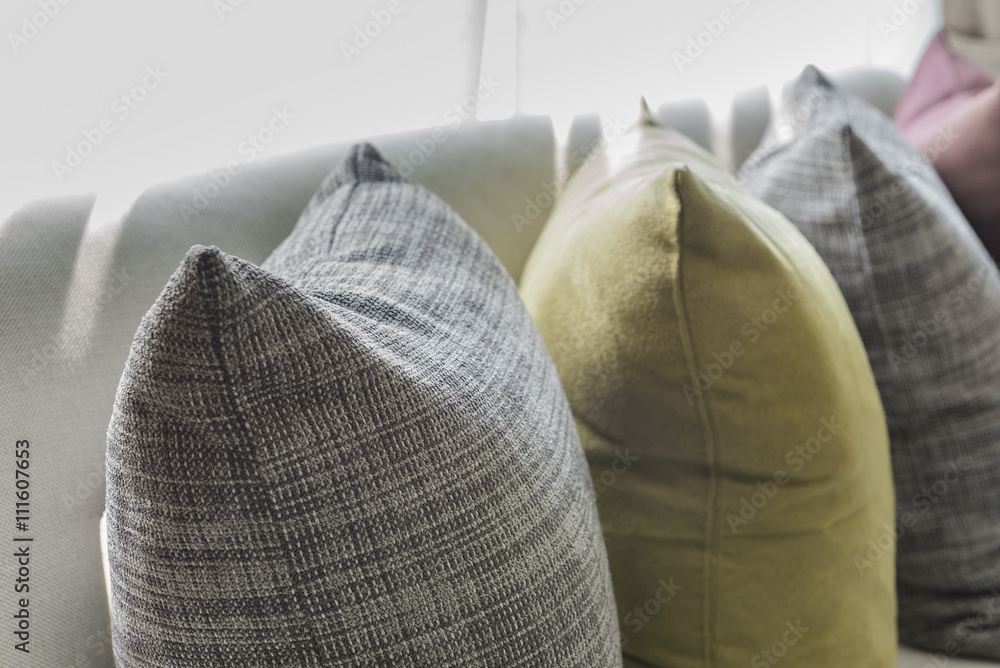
(358, 454)
(926, 299)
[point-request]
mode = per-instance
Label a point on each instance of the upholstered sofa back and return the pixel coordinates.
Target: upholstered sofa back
(77, 274)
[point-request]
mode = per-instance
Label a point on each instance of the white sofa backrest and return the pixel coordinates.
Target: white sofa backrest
(734, 137)
(77, 274)
(750, 113)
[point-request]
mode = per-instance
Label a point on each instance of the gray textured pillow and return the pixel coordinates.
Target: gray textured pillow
(359, 454)
(926, 299)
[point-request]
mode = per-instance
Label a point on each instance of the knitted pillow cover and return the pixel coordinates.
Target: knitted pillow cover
(729, 414)
(926, 299)
(358, 454)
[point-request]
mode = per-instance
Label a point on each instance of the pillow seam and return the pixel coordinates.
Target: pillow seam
(212, 305)
(708, 439)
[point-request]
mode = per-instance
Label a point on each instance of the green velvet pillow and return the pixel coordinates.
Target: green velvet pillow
(733, 427)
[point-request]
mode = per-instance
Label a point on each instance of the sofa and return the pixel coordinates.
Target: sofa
(78, 274)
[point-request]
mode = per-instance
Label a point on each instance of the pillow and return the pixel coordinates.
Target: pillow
(942, 82)
(965, 151)
(357, 454)
(950, 112)
(926, 299)
(728, 412)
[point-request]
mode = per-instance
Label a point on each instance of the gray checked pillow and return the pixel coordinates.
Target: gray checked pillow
(926, 298)
(359, 454)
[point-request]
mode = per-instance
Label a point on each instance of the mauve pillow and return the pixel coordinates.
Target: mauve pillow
(950, 112)
(965, 150)
(942, 82)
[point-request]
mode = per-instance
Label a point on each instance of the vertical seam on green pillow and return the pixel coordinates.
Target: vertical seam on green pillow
(711, 454)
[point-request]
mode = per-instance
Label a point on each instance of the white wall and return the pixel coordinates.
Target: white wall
(226, 72)
(599, 54)
(230, 63)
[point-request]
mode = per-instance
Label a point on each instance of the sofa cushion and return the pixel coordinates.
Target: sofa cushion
(358, 453)
(942, 82)
(965, 151)
(951, 113)
(730, 417)
(926, 299)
